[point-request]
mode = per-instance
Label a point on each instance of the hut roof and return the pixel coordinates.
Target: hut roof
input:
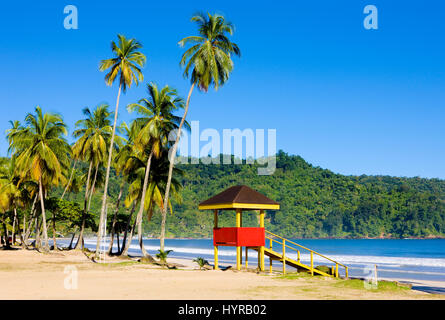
(239, 197)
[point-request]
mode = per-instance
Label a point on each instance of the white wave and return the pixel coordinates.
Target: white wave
(390, 262)
(395, 262)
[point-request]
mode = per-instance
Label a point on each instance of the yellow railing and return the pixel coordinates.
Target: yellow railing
(285, 244)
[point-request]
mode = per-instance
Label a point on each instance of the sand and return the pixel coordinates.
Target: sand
(31, 275)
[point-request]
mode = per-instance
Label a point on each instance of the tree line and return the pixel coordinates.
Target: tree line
(315, 202)
(42, 163)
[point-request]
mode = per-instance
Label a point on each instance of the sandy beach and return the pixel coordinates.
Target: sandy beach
(31, 275)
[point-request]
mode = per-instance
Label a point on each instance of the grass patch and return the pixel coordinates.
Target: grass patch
(297, 275)
(119, 264)
(383, 286)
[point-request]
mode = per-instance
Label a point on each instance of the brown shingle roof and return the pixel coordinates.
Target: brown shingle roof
(236, 196)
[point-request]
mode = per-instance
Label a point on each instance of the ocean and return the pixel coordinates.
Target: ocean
(395, 259)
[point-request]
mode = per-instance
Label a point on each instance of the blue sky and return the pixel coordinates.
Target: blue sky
(353, 100)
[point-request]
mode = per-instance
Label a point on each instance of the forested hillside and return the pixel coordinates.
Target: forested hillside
(315, 202)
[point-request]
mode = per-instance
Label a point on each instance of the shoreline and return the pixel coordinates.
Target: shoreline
(27, 274)
(319, 238)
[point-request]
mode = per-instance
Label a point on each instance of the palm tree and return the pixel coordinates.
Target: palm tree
(94, 134)
(118, 226)
(156, 122)
(157, 183)
(28, 189)
(15, 194)
(207, 63)
(136, 168)
(42, 154)
(124, 165)
(75, 183)
(68, 184)
(126, 64)
(10, 195)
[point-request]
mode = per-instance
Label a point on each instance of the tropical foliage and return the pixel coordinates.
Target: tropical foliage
(49, 188)
(314, 202)
(201, 262)
(207, 62)
(126, 65)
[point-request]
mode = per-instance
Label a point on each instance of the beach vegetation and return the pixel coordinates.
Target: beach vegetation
(49, 188)
(201, 262)
(156, 120)
(41, 155)
(207, 62)
(162, 256)
(93, 135)
(125, 65)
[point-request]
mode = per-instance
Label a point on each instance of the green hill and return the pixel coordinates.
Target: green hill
(315, 202)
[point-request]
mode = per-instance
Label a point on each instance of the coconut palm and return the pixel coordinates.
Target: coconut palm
(124, 165)
(98, 181)
(75, 183)
(15, 194)
(69, 185)
(27, 189)
(10, 196)
(42, 154)
(157, 183)
(93, 133)
(118, 225)
(207, 63)
(119, 162)
(125, 65)
(136, 166)
(11, 133)
(156, 121)
(30, 193)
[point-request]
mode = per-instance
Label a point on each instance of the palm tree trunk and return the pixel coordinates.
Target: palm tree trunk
(14, 223)
(141, 206)
(110, 248)
(37, 234)
(126, 243)
(69, 181)
(5, 234)
(170, 170)
(54, 232)
(72, 239)
(118, 246)
(22, 232)
(93, 186)
(31, 220)
(107, 175)
(84, 213)
(42, 205)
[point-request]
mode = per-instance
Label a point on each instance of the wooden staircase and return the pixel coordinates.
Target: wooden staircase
(288, 244)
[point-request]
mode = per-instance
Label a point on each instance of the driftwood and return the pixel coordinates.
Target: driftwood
(226, 268)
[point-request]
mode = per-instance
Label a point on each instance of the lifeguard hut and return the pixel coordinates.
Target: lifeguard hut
(239, 198)
(242, 198)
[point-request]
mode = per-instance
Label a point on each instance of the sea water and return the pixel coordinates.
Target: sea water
(395, 259)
